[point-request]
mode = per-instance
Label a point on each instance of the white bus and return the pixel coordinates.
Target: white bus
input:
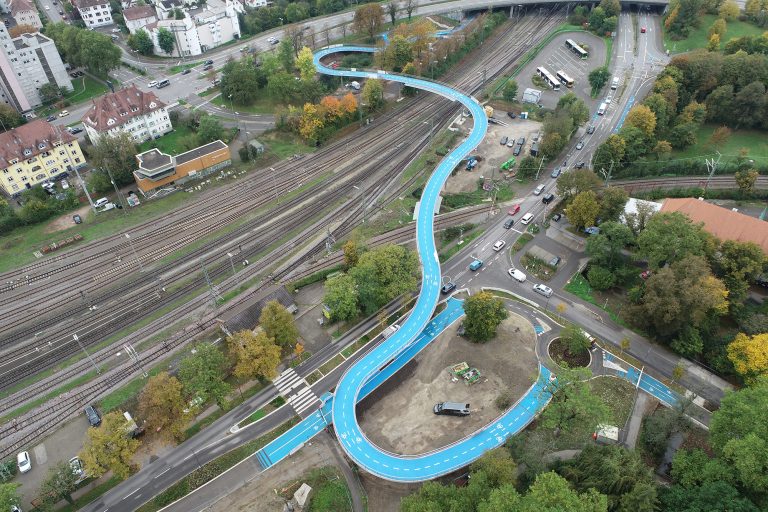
(547, 76)
(575, 48)
(564, 78)
(602, 108)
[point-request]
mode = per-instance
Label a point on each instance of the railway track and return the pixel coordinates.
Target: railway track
(716, 182)
(34, 425)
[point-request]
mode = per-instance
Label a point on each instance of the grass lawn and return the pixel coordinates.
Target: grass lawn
(755, 140)
(168, 143)
(329, 491)
(264, 105)
(17, 248)
(282, 145)
(331, 364)
(617, 394)
(580, 288)
(83, 89)
(179, 68)
(698, 36)
(520, 242)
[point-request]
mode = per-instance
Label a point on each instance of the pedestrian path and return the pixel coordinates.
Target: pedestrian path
(296, 391)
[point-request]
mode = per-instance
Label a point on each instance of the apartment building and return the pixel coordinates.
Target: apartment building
(138, 17)
(24, 12)
(27, 63)
(129, 110)
(95, 13)
(35, 152)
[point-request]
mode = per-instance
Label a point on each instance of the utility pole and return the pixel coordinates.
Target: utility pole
(608, 176)
(541, 164)
(85, 189)
(98, 370)
(117, 191)
(138, 261)
(362, 198)
(135, 358)
(213, 289)
(712, 166)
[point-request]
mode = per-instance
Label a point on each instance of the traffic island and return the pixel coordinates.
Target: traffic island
(506, 363)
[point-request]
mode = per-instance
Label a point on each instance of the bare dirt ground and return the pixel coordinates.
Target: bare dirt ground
(385, 496)
(398, 416)
(492, 154)
(65, 221)
(259, 494)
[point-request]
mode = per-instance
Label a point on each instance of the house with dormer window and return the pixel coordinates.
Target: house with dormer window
(36, 152)
(129, 110)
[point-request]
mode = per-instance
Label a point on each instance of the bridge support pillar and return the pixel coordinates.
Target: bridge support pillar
(511, 11)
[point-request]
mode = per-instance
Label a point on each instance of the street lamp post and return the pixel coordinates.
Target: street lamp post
(135, 255)
(134, 357)
(98, 370)
(359, 187)
(232, 263)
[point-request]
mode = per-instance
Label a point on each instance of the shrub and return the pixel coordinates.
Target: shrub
(600, 278)
(503, 401)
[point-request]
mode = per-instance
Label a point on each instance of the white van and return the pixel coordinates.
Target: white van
(516, 275)
(615, 83)
(101, 202)
(601, 110)
(538, 190)
(527, 218)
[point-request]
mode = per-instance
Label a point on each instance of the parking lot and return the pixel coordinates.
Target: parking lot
(555, 57)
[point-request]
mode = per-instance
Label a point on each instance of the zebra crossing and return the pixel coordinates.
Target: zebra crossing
(295, 390)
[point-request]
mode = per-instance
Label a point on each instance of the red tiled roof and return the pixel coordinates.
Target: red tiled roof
(138, 12)
(725, 224)
(122, 106)
(37, 136)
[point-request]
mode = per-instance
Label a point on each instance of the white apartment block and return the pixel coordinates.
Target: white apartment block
(138, 17)
(27, 63)
(129, 110)
(95, 13)
(254, 3)
(201, 29)
(24, 12)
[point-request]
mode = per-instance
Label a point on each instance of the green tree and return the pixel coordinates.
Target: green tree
(612, 202)
(611, 7)
(729, 10)
(484, 313)
(392, 12)
(694, 467)
(683, 294)
(714, 496)
(9, 117)
(574, 182)
(282, 86)
(575, 108)
(373, 93)
(739, 434)
(583, 210)
(383, 274)
(368, 20)
(598, 77)
(551, 493)
(116, 153)
(59, 483)
(255, 355)
(306, 65)
(352, 251)
(141, 42)
(108, 447)
(739, 263)
(210, 129)
(498, 466)
(643, 118)
(528, 167)
(50, 92)
(609, 153)
(618, 473)
(573, 407)
(718, 27)
(600, 278)
(286, 55)
(161, 405)
(165, 40)
(746, 180)
(605, 248)
(510, 90)
(242, 81)
(575, 339)
(279, 324)
(341, 298)
(9, 495)
(202, 374)
(670, 237)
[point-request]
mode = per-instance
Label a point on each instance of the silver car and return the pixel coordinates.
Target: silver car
(543, 289)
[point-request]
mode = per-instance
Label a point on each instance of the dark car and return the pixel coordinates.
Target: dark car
(580, 165)
(591, 129)
(51, 119)
(78, 219)
(186, 72)
(208, 67)
(94, 418)
(209, 62)
(517, 150)
(554, 261)
(548, 198)
(509, 223)
(556, 217)
(448, 287)
(504, 141)
(511, 115)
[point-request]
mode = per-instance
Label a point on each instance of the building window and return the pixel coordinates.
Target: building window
(24, 178)
(77, 160)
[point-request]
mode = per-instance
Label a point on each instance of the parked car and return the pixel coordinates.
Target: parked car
(77, 467)
(511, 143)
(515, 208)
(543, 290)
(511, 115)
(74, 130)
(504, 140)
(94, 418)
(153, 83)
(208, 67)
(77, 218)
(24, 462)
(554, 261)
(448, 287)
(556, 217)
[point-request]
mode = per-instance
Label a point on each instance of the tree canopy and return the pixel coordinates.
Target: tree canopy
(278, 324)
(108, 447)
(256, 355)
(484, 312)
(161, 405)
(202, 374)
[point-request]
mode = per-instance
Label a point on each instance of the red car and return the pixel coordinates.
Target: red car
(645, 274)
(514, 209)
(642, 30)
